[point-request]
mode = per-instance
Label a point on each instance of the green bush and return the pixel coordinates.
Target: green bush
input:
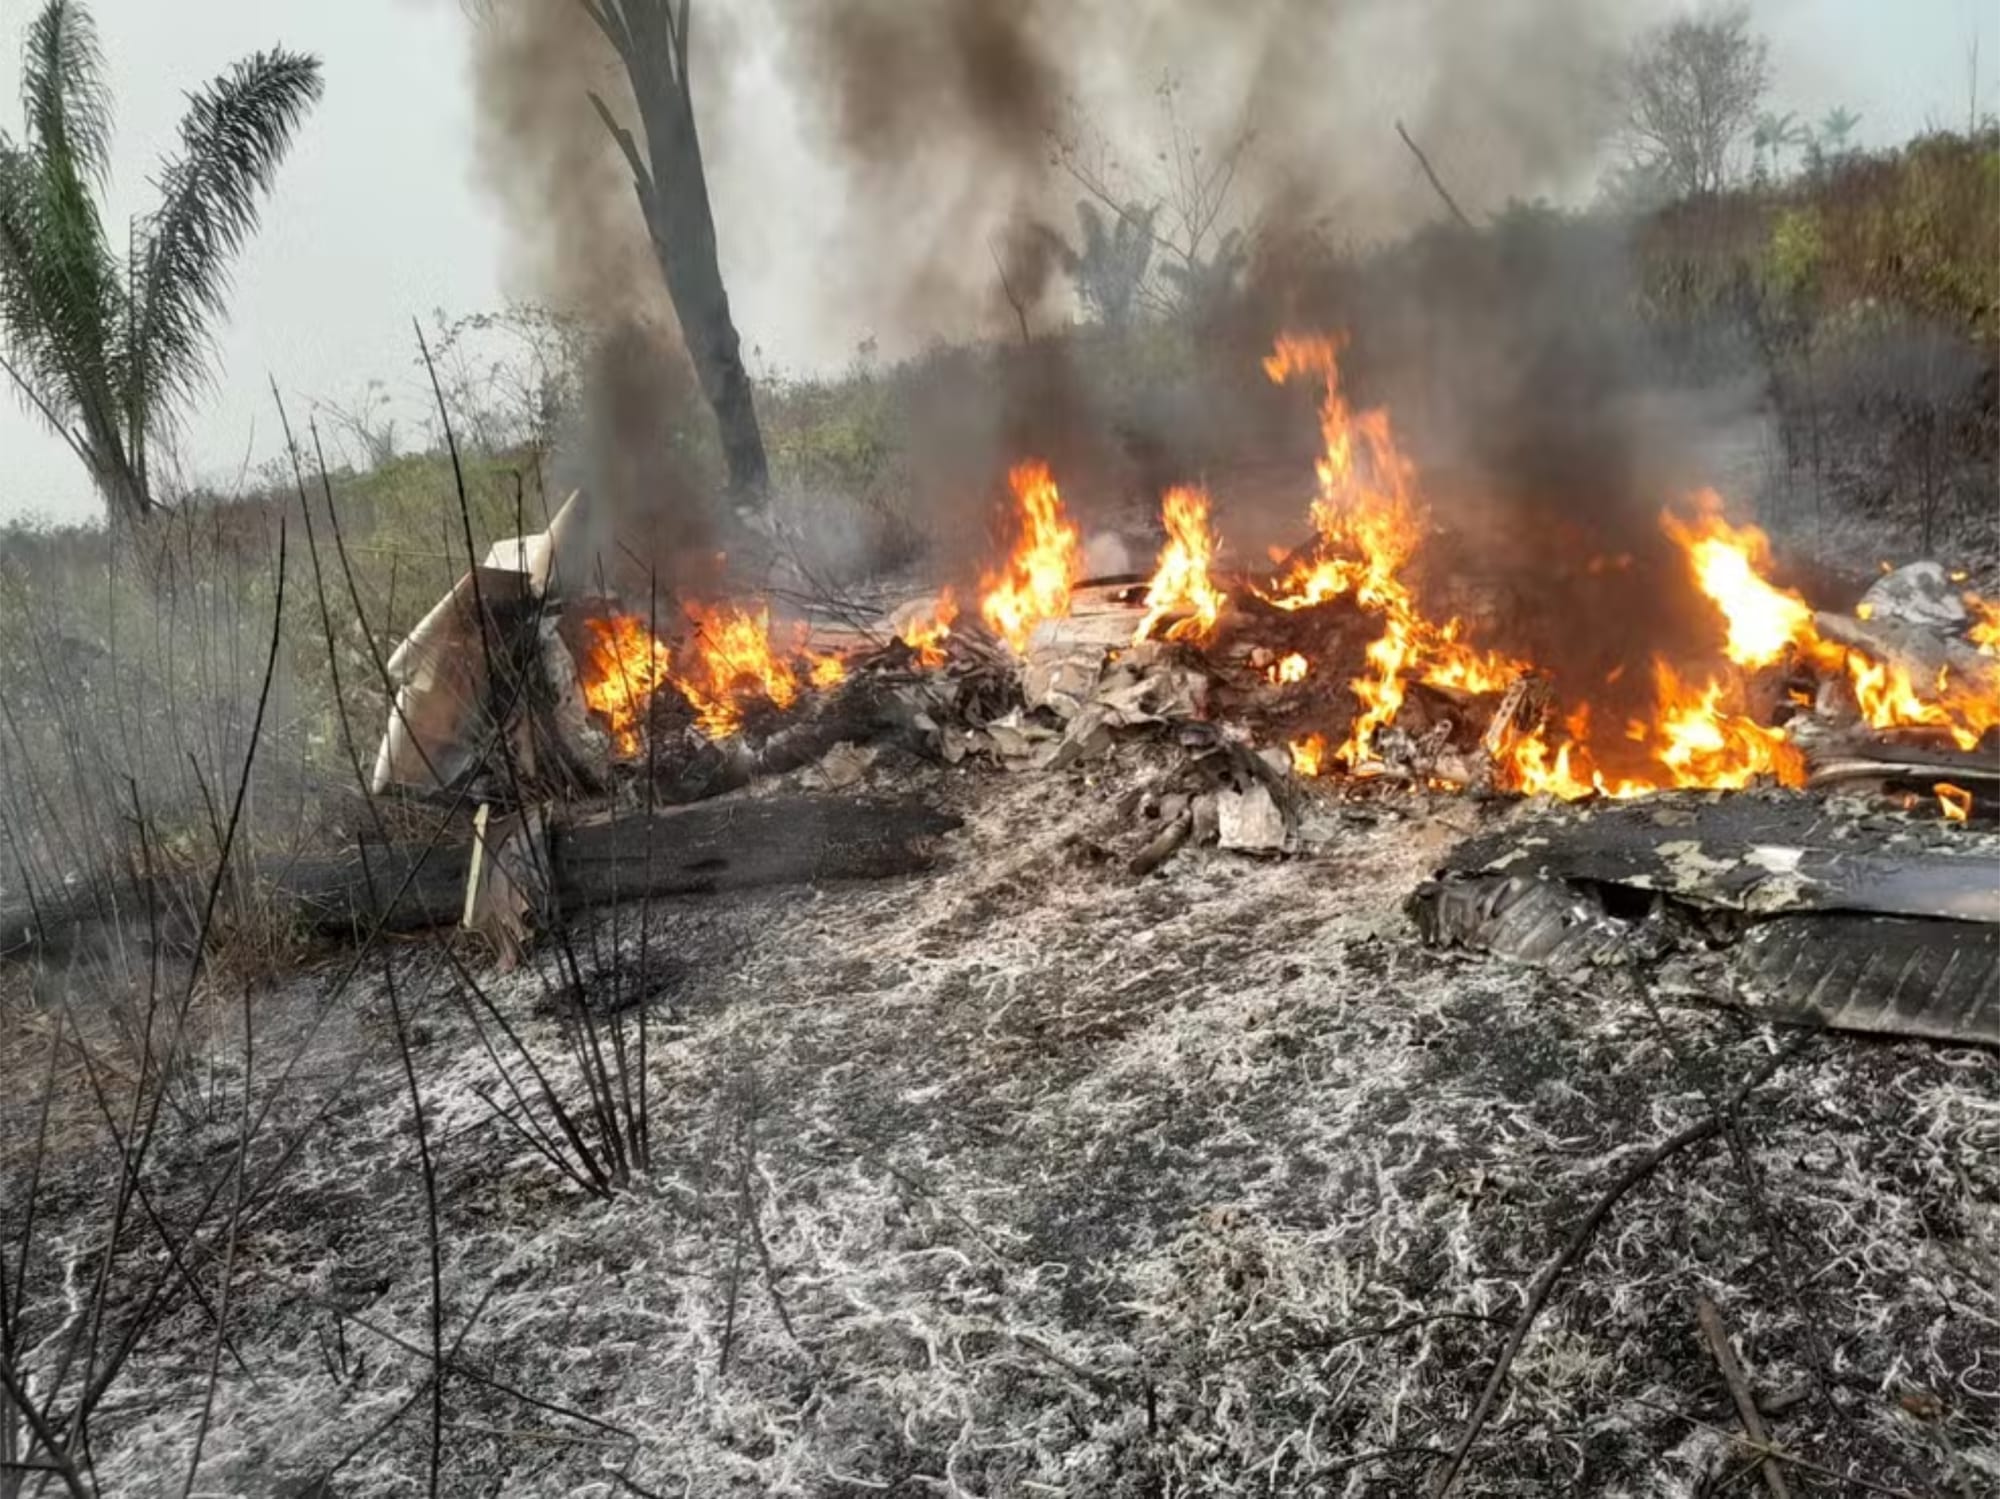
(1915, 230)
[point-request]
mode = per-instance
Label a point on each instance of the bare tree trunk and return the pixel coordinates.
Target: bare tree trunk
(120, 482)
(650, 37)
(124, 494)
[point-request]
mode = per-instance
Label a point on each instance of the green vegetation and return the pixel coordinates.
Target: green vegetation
(105, 349)
(1914, 232)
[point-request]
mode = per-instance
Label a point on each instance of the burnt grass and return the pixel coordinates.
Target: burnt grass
(1024, 1177)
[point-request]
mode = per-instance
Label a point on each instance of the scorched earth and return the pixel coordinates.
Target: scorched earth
(1021, 1176)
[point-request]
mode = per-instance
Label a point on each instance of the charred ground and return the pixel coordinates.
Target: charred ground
(1019, 1177)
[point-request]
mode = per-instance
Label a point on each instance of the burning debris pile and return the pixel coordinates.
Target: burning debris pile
(1285, 691)
(1332, 661)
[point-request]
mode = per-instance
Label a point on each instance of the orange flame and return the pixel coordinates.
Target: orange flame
(1695, 741)
(1308, 755)
(1954, 801)
(1365, 517)
(1181, 581)
(732, 658)
(1037, 580)
(1369, 523)
(1729, 564)
(726, 663)
(1765, 622)
(926, 633)
(625, 666)
(1984, 631)
(1704, 744)
(1694, 738)
(1889, 698)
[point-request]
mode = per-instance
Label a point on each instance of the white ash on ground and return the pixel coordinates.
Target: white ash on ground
(1025, 1176)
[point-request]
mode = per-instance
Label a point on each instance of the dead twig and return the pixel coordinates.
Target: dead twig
(1007, 291)
(1425, 162)
(1710, 1318)
(1776, 1454)
(1701, 1131)
(749, 1223)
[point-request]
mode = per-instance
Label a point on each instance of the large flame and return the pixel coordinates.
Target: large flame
(1696, 736)
(1765, 623)
(1729, 564)
(1181, 583)
(1695, 739)
(625, 666)
(729, 663)
(726, 662)
(1036, 583)
(1368, 524)
(1890, 697)
(1704, 743)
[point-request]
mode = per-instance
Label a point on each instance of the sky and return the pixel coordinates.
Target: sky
(380, 215)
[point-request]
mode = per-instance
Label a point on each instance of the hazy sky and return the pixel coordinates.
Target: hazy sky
(379, 215)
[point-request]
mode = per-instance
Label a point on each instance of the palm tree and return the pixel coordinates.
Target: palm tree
(106, 349)
(1771, 136)
(1201, 286)
(1110, 268)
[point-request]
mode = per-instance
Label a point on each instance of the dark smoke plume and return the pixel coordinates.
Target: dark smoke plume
(579, 241)
(946, 123)
(576, 234)
(939, 116)
(896, 159)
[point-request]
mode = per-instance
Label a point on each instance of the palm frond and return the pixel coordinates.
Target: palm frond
(23, 341)
(63, 91)
(236, 132)
(24, 354)
(63, 293)
(60, 291)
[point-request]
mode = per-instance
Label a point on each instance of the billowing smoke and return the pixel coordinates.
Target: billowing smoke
(907, 173)
(579, 243)
(577, 238)
(960, 134)
(942, 121)
(871, 160)
(939, 117)
(628, 449)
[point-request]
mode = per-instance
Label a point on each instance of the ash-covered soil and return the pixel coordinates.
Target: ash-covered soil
(1022, 1177)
